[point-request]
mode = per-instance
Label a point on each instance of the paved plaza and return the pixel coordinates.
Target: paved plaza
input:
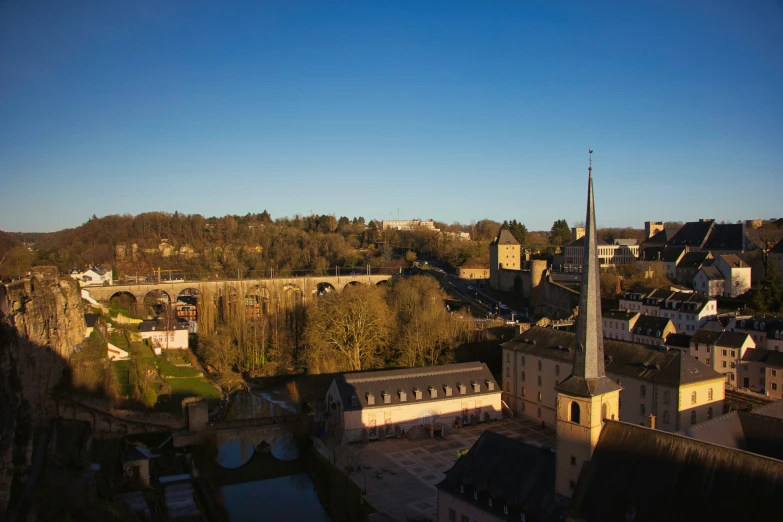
(400, 475)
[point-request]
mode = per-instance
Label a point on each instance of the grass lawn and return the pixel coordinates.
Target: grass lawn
(190, 387)
(143, 349)
(169, 370)
(121, 369)
(118, 339)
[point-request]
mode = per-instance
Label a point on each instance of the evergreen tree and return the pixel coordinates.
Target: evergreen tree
(560, 233)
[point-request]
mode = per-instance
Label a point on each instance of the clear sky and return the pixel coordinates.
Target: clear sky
(455, 111)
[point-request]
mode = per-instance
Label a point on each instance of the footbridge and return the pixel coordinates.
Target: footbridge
(260, 291)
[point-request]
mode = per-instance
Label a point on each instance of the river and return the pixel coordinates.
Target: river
(268, 484)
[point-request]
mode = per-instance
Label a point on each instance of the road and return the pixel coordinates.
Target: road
(471, 294)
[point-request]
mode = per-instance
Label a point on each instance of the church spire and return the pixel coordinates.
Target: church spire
(589, 376)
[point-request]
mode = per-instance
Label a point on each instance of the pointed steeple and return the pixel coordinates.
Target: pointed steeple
(589, 375)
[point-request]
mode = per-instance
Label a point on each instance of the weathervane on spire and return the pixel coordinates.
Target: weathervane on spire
(590, 157)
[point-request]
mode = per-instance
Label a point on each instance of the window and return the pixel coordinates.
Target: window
(557, 369)
(709, 413)
(709, 394)
(693, 398)
(475, 495)
(644, 390)
(489, 502)
(708, 349)
(575, 412)
(452, 515)
(666, 397)
(523, 360)
(708, 360)
(522, 391)
(774, 386)
(642, 409)
(461, 488)
(666, 417)
(573, 460)
(539, 396)
(523, 376)
(539, 380)
(508, 371)
(724, 353)
(539, 413)
(724, 364)
(505, 510)
(539, 365)
(693, 417)
(774, 373)
(604, 410)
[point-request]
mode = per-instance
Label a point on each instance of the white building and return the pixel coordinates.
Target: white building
(408, 224)
(689, 311)
(710, 281)
(380, 404)
(619, 252)
(163, 337)
(736, 273)
(93, 276)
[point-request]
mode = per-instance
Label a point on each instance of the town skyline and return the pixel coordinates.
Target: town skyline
(457, 111)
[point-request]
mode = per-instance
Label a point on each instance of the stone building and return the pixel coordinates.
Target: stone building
(380, 404)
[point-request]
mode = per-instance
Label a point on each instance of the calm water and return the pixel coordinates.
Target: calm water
(274, 500)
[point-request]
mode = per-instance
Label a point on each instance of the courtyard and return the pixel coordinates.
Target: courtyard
(399, 475)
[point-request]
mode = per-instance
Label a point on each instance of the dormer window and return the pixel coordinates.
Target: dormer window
(462, 388)
(476, 386)
(386, 397)
(447, 390)
(490, 385)
(403, 396)
(417, 394)
(370, 399)
(354, 400)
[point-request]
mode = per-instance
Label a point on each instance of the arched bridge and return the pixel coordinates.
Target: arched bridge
(260, 291)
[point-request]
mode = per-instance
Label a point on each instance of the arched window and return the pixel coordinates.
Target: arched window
(644, 390)
(709, 394)
(575, 412)
(666, 397)
(642, 409)
(709, 413)
(693, 398)
(693, 417)
(666, 417)
(539, 365)
(557, 369)
(539, 380)
(604, 411)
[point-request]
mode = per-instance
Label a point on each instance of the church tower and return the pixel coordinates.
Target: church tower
(587, 396)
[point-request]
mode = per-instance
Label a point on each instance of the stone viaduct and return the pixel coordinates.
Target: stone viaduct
(263, 292)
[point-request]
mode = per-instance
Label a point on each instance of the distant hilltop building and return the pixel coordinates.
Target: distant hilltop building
(409, 224)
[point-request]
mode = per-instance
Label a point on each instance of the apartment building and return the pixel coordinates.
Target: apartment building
(722, 351)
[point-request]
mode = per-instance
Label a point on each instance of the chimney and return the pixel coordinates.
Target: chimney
(652, 420)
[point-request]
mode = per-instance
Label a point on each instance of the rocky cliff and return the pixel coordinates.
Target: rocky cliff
(41, 321)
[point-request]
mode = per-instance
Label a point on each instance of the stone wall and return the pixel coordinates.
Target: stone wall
(41, 321)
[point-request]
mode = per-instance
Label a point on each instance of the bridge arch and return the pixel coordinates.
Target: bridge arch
(157, 297)
(292, 295)
(257, 300)
(351, 283)
(188, 292)
(322, 289)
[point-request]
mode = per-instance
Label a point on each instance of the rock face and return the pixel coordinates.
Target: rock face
(41, 321)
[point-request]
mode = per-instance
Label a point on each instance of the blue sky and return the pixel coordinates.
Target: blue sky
(449, 110)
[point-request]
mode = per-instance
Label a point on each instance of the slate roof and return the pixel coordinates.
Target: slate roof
(505, 237)
(659, 239)
(678, 340)
(620, 315)
(733, 261)
(672, 368)
(726, 237)
(732, 339)
(669, 254)
(641, 474)
(768, 357)
(692, 234)
(158, 326)
(511, 473)
(693, 259)
(690, 302)
(712, 273)
(651, 326)
(704, 336)
(393, 382)
(752, 431)
(772, 324)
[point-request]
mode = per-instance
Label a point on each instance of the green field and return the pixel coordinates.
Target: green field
(190, 387)
(120, 370)
(169, 370)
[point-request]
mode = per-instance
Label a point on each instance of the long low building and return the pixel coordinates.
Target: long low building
(670, 385)
(380, 404)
